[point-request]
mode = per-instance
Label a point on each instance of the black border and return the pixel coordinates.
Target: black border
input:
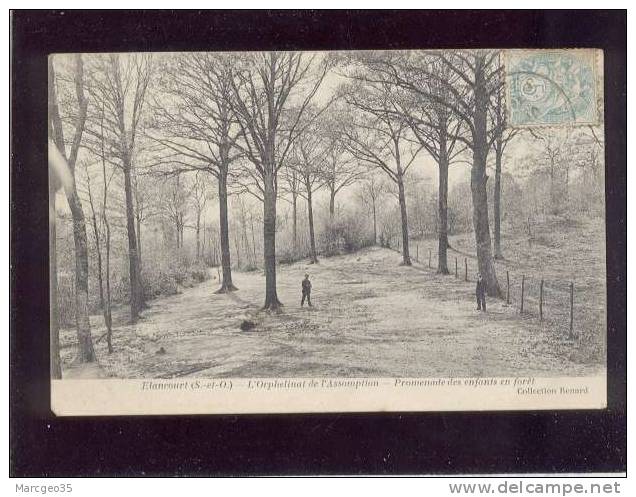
(374, 443)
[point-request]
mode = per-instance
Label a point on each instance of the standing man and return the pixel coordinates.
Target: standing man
(480, 292)
(306, 288)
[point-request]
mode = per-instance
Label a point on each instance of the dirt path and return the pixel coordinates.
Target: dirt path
(371, 317)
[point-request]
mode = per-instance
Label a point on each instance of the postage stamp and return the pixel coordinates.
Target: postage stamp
(552, 87)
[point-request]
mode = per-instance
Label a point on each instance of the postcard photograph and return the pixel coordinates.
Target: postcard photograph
(327, 231)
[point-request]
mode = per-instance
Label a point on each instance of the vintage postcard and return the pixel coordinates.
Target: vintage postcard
(275, 232)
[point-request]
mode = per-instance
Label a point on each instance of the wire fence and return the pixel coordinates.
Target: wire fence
(549, 300)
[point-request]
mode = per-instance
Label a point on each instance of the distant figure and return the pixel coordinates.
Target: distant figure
(306, 287)
(480, 292)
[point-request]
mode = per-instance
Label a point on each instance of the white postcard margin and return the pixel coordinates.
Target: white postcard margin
(304, 395)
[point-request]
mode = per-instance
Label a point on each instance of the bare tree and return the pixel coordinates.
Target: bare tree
(308, 159)
(101, 232)
(371, 193)
(339, 168)
(86, 352)
(199, 199)
(291, 185)
(175, 198)
(380, 139)
(270, 94)
(197, 130)
(436, 128)
(145, 197)
(475, 78)
(244, 221)
(503, 136)
(553, 145)
(121, 83)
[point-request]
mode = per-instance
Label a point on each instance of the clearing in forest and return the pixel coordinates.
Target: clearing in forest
(371, 318)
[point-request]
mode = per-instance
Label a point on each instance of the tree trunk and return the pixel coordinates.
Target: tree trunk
(375, 223)
(86, 352)
(139, 243)
(100, 278)
(133, 257)
(55, 363)
(332, 203)
(108, 317)
(478, 179)
(442, 226)
(553, 202)
(310, 217)
(246, 240)
(406, 258)
(269, 243)
(253, 240)
(203, 242)
(497, 201)
(198, 231)
(226, 284)
(238, 249)
(295, 221)
(85, 342)
(98, 249)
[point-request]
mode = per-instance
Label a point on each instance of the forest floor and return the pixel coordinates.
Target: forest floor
(371, 318)
(559, 251)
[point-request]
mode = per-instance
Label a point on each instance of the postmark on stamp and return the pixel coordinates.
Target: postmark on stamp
(551, 88)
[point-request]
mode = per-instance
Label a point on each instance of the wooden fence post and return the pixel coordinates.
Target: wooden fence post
(523, 287)
(417, 253)
(541, 301)
(465, 269)
(429, 258)
(455, 267)
(508, 288)
(571, 310)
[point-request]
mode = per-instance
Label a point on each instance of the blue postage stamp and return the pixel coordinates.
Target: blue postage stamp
(551, 88)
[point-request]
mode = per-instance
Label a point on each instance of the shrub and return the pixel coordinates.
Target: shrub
(345, 236)
(165, 285)
(66, 299)
(166, 275)
(199, 273)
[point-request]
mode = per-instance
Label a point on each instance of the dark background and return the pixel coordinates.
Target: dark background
(438, 443)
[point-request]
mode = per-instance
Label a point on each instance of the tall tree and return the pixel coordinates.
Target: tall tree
(199, 199)
(175, 198)
(552, 148)
(197, 130)
(102, 235)
(379, 138)
(270, 94)
(121, 83)
(339, 168)
(371, 193)
(503, 136)
(308, 159)
(86, 352)
(436, 128)
(291, 185)
(145, 200)
(475, 78)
